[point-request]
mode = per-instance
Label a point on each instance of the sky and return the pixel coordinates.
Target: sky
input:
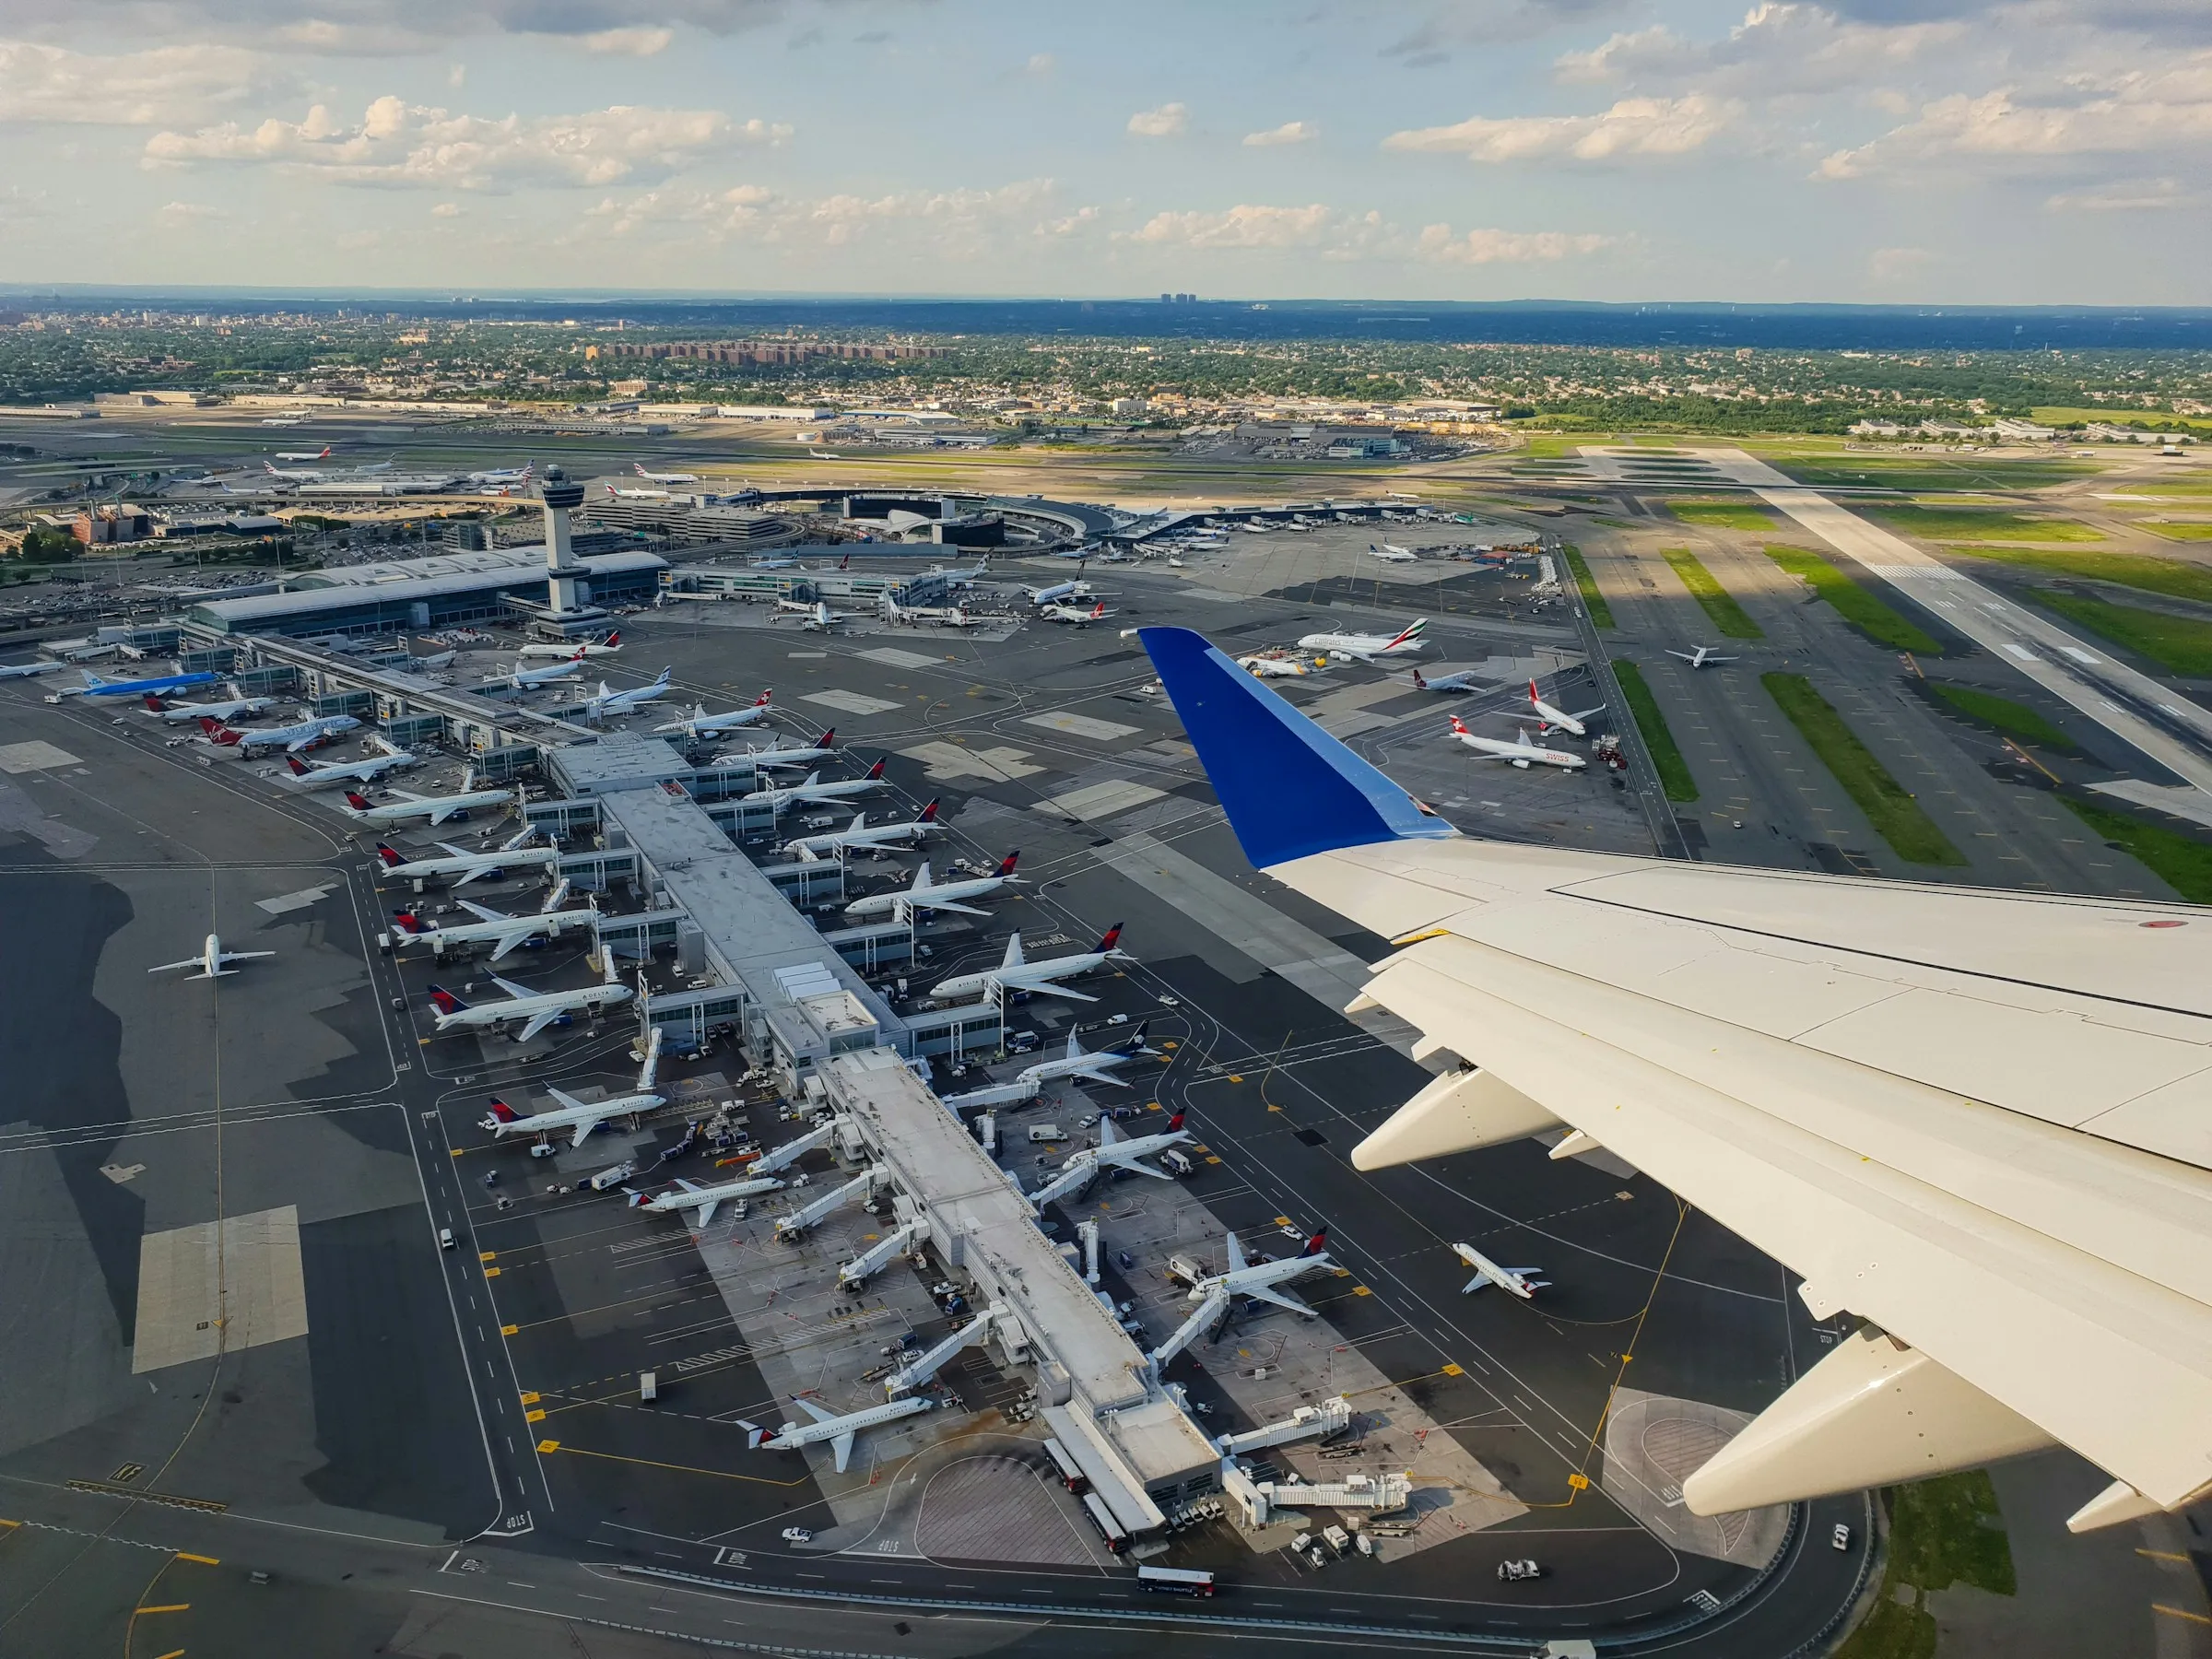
(1910, 151)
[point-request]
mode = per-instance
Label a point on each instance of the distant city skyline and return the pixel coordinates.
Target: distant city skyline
(1871, 151)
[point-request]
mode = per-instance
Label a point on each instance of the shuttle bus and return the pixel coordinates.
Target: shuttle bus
(1065, 1467)
(1102, 1518)
(1175, 1581)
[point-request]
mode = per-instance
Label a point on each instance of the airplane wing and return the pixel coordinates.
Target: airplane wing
(1049, 988)
(483, 913)
(458, 852)
(441, 813)
(1097, 1074)
(480, 870)
(1976, 1120)
(569, 1103)
(1282, 1299)
(706, 1213)
(536, 1023)
(512, 942)
(820, 1414)
(173, 966)
(512, 989)
(843, 1446)
(922, 902)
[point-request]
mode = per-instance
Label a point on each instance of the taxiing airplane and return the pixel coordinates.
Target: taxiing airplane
(519, 678)
(839, 1431)
(177, 714)
(923, 893)
(321, 454)
(1704, 657)
(435, 809)
(1075, 615)
(1463, 681)
(1391, 555)
(1522, 1282)
(299, 735)
(1546, 716)
(636, 495)
(1272, 668)
(1519, 753)
(25, 670)
(778, 795)
(628, 701)
(653, 477)
(96, 687)
(1263, 1278)
(214, 961)
(1058, 591)
(703, 725)
(309, 774)
(511, 853)
(578, 1117)
(1369, 648)
(1989, 1236)
(505, 933)
(504, 475)
(570, 651)
(537, 1010)
(857, 835)
(1017, 973)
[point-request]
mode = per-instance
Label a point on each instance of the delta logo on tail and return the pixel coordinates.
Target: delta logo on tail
(928, 815)
(447, 1003)
(1112, 938)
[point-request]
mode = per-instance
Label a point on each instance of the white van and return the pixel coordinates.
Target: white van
(1045, 1132)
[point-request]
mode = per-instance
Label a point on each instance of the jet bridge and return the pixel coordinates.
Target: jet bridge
(1076, 1174)
(790, 1151)
(1214, 1307)
(930, 1360)
(790, 1227)
(864, 1266)
(1307, 1422)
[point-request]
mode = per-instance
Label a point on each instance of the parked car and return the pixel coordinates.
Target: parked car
(1514, 1572)
(797, 1534)
(1840, 1537)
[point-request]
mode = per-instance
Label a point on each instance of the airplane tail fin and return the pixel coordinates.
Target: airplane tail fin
(1418, 683)
(504, 1113)
(153, 703)
(356, 801)
(875, 772)
(391, 859)
(1175, 1122)
(1013, 957)
(92, 680)
(1261, 754)
(408, 923)
(1411, 632)
(828, 740)
(762, 702)
(1318, 1244)
(1005, 864)
(928, 815)
(1112, 940)
(445, 1002)
(1533, 699)
(300, 768)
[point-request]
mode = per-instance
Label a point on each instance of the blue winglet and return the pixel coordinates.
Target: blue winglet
(1288, 787)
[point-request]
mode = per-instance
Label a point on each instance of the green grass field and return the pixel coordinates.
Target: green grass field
(2182, 862)
(2180, 533)
(1930, 471)
(1719, 603)
(1888, 806)
(1878, 621)
(2174, 577)
(1601, 614)
(1942, 1532)
(2055, 415)
(2014, 720)
(2181, 645)
(1666, 755)
(1980, 525)
(1723, 515)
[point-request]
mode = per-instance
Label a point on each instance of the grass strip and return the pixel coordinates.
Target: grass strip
(2175, 577)
(1896, 817)
(1722, 515)
(2180, 644)
(1982, 523)
(2182, 862)
(1720, 604)
(1862, 609)
(1601, 614)
(1667, 757)
(2184, 531)
(1942, 1532)
(2014, 720)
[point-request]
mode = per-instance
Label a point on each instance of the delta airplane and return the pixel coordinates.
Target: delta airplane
(519, 678)
(1261, 1278)
(1391, 555)
(214, 961)
(1463, 681)
(1017, 973)
(1274, 667)
(299, 735)
(96, 687)
(858, 835)
(25, 670)
(309, 775)
(1092, 1068)
(178, 714)
(653, 477)
(511, 853)
(1110, 1153)
(926, 894)
(775, 755)
(778, 796)
(537, 1010)
(1522, 1282)
(569, 651)
(704, 1200)
(703, 725)
(1999, 1232)
(436, 809)
(505, 931)
(578, 1117)
(1547, 717)
(1369, 648)
(1075, 615)
(1520, 753)
(840, 1431)
(1704, 656)
(628, 702)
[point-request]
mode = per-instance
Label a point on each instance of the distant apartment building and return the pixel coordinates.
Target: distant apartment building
(100, 526)
(2023, 431)
(1131, 408)
(772, 352)
(156, 399)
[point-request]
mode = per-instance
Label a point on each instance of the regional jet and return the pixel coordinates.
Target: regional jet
(857, 835)
(1546, 717)
(1110, 1153)
(1520, 753)
(1369, 648)
(923, 893)
(578, 1117)
(214, 961)
(505, 933)
(1522, 1282)
(1017, 973)
(1391, 555)
(1261, 1278)
(2012, 1222)
(840, 1431)
(1704, 657)
(537, 1010)
(434, 809)
(299, 735)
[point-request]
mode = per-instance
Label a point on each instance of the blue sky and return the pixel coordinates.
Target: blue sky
(1900, 150)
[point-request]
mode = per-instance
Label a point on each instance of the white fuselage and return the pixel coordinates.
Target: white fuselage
(484, 1017)
(179, 713)
(566, 652)
(881, 835)
(552, 924)
(363, 771)
(300, 734)
(842, 789)
(884, 904)
(1368, 648)
(436, 808)
(1261, 1275)
(521, 679)
(1523, 754)
(472, 864)
(1031, 976)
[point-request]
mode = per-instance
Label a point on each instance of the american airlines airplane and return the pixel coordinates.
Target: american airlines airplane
(1519, 753)
(1369, 648)
(1704, 657)
(1522, 1282)
(2019, 1209)
(1017, 973)
(1546, 716)
(923, 893)
(214, 961)
(578, 1117)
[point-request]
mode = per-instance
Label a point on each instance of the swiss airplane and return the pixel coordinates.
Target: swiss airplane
(299, 735)
(1075, 616)
(506, 933)
(535, 1011)
(581, 1117)
(1999, 1232)
(436, 809)
(1016, 973)
(178, 714)
(923, 893)
(1546, 716)
(567, 651)
(308, 774)
(1522, 1282)
(1520, 752)
(839, 1431)
(1369, 648)
(703, 1201)
(858, 835)
(1704, 657)
(778, 795)
(214, 961)
(703, 725)
(511, 853)
(610, 701)
(1262, 1278)
(519, 678)
(1463, 681)
(1092, 1068)
(1391, 555)
(653, 477)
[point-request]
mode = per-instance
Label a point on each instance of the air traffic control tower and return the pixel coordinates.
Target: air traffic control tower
(569, 607)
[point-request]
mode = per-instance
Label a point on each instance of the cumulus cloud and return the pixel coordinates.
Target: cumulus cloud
(164, 84)
(1290, 132)
(1166, 122)
(1250, 225)
(964, 223)
(1632, 127)
(628, 42)
(2125, 195)
(1432, 41)
(402, 144)
(1333, 234)
(1780, 47)
(446, 210)
(1507, 247)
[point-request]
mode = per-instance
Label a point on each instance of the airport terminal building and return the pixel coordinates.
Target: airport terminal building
(444, 591)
